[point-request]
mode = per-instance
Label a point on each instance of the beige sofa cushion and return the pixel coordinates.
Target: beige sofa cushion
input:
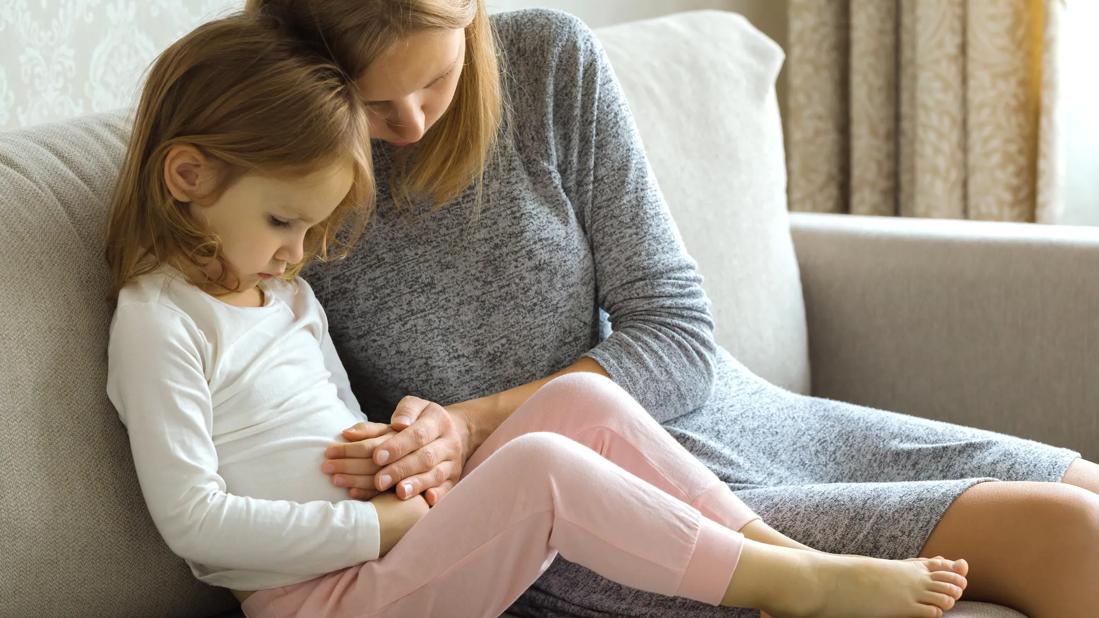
(76, 537)
(702, 89)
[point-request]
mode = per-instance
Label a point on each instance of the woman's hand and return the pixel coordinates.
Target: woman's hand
(350, 464)
(427, 454)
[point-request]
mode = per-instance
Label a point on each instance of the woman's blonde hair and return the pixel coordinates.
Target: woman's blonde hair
(251, 99)
(455, 152)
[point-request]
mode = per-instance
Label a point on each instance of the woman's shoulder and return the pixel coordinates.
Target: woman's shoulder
(546, 57)
(542, 24)
(538, 35)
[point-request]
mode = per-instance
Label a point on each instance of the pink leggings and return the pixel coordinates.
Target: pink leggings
(580, 469)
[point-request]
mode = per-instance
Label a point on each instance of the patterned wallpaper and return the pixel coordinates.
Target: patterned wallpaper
(61, 58)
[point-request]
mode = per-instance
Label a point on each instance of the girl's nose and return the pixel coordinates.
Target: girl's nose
(292, 252)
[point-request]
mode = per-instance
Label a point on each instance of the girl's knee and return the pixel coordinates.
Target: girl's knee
(592, 398)
(539, 452)
(579, 383)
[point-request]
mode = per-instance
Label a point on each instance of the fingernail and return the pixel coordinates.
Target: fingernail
(407, 487)
(382, 457)
(402, 420)
(338, 480)
(328, 467)
(384, 480)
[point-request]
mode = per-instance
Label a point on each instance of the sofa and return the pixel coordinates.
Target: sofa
(978, 323)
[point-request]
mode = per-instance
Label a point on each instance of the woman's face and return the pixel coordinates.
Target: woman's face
(409, 87)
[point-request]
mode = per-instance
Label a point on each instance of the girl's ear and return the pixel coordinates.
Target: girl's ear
(188, 173)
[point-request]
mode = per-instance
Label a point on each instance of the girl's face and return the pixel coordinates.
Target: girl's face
(262, 220)
(409, 87)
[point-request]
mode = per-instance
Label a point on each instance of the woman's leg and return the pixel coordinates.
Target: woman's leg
(540, 494)
(1083, 473)
(1031, 546)
(599, 414)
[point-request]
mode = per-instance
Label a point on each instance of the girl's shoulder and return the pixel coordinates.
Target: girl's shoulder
(152, 309)
(150, 288)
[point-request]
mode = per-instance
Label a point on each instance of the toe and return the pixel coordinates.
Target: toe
(949, 577)
(928, 611)
(961, 567)
(938, 564)
(949, 590)
(941, 601)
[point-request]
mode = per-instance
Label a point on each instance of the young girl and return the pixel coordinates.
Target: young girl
(248, 159)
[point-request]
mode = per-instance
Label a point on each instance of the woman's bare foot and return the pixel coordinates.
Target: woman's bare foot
(793, 583)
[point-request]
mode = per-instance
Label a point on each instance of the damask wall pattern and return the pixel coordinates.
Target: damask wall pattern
(61, 58)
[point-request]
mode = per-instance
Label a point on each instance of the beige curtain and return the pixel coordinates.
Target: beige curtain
(927, 108)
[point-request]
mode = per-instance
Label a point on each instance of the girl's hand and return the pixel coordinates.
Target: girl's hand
(427, 454)
(350, 464)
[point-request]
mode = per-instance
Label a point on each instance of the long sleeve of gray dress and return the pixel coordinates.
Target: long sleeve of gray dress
(661, 349)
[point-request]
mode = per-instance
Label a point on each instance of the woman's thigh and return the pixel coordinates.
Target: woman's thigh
(765, 436)
(847, 478)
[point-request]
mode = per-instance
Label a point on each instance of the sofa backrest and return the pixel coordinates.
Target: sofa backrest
(75, 537)
(702, 89)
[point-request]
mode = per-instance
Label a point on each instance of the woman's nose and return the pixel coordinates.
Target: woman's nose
(408, 122)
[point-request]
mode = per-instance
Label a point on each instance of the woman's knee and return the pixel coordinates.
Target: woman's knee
(1054, 520)
(1067, 508)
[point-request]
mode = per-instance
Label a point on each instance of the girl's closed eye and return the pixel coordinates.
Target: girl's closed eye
(276, 222)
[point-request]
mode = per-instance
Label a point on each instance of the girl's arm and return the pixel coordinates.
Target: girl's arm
(157, 383)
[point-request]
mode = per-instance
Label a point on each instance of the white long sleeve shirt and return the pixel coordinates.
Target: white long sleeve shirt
(229, 410)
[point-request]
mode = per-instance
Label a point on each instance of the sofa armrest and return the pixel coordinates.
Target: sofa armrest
(993, 325)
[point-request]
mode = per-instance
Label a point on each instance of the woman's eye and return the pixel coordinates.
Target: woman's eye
(275, 221)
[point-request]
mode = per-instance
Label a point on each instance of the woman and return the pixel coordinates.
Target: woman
(516, 214)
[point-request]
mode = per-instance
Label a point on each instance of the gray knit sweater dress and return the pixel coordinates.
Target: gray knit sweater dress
(572, 252)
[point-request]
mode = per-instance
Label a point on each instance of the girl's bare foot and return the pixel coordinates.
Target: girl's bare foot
(793, 583)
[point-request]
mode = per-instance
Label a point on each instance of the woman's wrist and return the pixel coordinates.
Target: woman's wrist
(480, 417)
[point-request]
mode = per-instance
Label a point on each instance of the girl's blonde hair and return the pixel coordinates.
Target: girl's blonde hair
(252, 99)
(455, 152)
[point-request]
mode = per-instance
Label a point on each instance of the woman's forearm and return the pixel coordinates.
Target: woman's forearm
(485, 414)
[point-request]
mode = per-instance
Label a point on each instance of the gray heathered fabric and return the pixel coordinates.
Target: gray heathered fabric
(463, 302)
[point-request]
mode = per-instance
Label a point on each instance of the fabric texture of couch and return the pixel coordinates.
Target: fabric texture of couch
(918, 317)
